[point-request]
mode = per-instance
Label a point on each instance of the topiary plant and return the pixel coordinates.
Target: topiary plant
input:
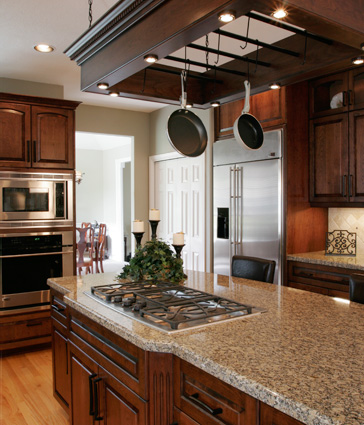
(154, 261)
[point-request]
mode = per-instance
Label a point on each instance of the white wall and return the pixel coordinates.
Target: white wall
(96, 195)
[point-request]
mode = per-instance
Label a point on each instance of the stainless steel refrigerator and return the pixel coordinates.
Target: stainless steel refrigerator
(248, 202)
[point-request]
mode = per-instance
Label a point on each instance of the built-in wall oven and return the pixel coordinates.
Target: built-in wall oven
(27, 260)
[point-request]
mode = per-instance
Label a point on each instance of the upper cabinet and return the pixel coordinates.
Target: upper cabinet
(269, 108)
(36, 132)
(337, 93)
(336, 139)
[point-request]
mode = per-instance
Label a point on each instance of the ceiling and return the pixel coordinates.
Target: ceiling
(25, 23)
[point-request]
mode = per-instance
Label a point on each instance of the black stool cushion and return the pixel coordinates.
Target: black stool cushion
(253, 268)
(356, 288)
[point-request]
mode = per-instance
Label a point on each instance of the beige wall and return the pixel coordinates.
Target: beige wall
(128, 123)
(30, 88)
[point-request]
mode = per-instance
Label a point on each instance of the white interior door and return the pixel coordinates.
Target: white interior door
(179, 194)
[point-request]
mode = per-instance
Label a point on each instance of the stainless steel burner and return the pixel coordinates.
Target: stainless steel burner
(169, 307)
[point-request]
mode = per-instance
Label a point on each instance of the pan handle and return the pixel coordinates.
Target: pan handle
(247, 97)
(184, 94)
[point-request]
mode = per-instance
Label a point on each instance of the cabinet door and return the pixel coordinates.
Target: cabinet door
(119, 405)
(329, 95)
(329, 159)
(356, 89)
(60, 364)
(271, 416)
(14, 135)
(269, 108)
(83, 372)
(225, 116)
(356, 177)
(52, 137)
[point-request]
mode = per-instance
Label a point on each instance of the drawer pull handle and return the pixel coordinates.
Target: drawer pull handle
(92, 409)
(97, 416)
(56, 308)
(213, 412)
(303, 274)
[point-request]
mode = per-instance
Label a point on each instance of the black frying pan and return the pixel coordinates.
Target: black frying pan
(247, 129)
(185, 131)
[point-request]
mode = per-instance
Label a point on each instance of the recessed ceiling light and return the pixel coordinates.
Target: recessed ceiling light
(279, 14)
(151, 58)
(114, 94)
(358, 60)
(215, 104)
(227, 16)
(103, 86)
(43, 48)
(275, 86)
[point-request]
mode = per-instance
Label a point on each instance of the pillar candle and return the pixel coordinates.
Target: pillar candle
(154, 215)
(138, 226)
(178, 238)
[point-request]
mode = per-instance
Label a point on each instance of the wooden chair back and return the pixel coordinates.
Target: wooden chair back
(101, 242)
(85, 246)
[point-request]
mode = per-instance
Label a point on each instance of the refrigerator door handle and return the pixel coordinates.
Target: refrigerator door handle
(232, 213)
(239, 210)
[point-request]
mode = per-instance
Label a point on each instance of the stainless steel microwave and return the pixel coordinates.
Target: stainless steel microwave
(28, 197)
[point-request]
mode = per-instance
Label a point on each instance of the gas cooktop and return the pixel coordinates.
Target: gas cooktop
(169, 307)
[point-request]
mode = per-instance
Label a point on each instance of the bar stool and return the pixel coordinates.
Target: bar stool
(356, 288)
(253, 268)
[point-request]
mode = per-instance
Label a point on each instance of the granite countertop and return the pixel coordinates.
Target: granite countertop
(319, 257)
(304, 356)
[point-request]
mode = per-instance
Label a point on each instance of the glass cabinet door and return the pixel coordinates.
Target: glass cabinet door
(356, 89)
(329, 95)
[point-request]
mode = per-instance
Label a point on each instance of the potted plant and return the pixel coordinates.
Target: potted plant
(154, 261)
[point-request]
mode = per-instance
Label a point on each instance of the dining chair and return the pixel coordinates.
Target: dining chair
(356, 288)
(85, 258)
(100, 248)
(253, 268)
(87, 237)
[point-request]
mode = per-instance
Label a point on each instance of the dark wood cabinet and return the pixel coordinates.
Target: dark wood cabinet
(269, 108)
(270, 416)
(336, 158)
(36, 132)
(25, 329)
(60, 366)
(326, 280)
(337, 93)
(336, 139)
(206, 399)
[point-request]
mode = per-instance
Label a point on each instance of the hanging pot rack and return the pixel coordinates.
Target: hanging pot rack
(203, 65)
(229, 55)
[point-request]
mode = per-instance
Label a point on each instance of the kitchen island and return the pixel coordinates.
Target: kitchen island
(304, 356)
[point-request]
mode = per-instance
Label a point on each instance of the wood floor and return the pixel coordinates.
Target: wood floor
(26, 393)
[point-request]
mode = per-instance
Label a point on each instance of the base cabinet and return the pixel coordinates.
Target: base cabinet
(326, 280)
(100, 378)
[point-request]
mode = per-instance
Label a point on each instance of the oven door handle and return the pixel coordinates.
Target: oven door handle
(37, 254)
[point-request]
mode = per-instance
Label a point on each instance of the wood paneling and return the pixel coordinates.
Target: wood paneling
(305, 226)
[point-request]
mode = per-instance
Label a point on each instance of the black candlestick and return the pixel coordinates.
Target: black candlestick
(154, 225)
(178, 249)
(138, 237)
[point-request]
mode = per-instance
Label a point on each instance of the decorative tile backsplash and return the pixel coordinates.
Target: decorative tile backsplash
(351, 219)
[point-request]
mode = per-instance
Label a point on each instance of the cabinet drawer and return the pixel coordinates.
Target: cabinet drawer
(24, 330)
(123, 359)
(59, 310)
(181, 419)
(206, 399)
(325, 280)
